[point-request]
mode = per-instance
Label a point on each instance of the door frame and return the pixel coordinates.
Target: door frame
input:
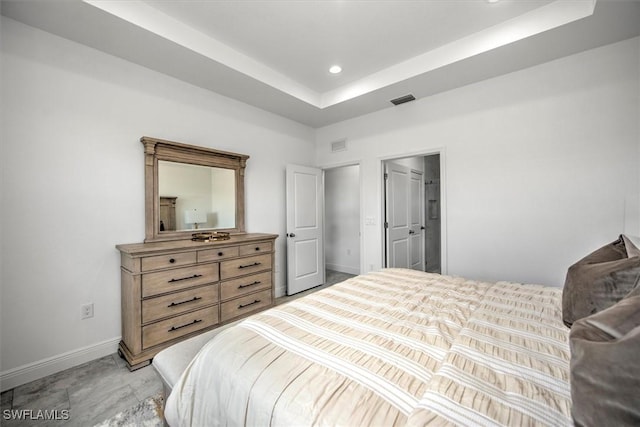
(444, 267)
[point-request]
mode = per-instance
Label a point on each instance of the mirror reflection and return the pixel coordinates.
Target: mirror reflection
(194, 197)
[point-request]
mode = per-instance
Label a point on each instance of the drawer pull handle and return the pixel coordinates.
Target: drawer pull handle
(257, 282)
(220, 254)
(171, 260)
(173, 304)
(185, 278)
(257, 248)
(175, 328)
(248, 304)
(250, 265)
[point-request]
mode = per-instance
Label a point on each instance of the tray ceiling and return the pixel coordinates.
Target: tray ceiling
(275, 55)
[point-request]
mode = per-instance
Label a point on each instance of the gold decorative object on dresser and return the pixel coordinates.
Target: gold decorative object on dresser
(181, 281)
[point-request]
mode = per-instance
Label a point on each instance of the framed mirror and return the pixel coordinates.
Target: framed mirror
(190, 189)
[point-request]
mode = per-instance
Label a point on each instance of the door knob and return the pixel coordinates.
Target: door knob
(291, 234)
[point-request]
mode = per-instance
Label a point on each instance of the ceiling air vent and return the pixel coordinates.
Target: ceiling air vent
(339, 145)
(403, 99)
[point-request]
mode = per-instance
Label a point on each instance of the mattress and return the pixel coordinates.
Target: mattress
(395, 347)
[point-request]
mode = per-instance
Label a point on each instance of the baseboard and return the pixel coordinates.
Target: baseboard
(342, 268)
(42, 368)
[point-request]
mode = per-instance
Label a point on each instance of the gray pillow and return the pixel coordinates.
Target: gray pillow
(605, 366)
(598, 281)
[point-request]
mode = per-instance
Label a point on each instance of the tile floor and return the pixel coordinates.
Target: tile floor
(97, 390)
(91, 392)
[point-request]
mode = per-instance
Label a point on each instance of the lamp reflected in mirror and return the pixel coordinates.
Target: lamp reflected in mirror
(195, 217)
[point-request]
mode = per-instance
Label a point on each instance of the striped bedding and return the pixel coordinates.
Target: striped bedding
(396, 347)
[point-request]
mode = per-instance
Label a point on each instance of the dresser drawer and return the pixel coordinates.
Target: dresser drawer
(178, 302)
(178, 279)
(246, 304)
(256, 248)
(216, 254)
(244, 266)
(244, 285)
(165, 261)
(165, 330)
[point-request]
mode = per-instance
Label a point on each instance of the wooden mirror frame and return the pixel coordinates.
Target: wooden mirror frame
(159, 149)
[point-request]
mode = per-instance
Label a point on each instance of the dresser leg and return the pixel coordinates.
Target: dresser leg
(124, 352)
(138, 366)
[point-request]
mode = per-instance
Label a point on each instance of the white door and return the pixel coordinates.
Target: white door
(305, 247)
(416, 229)
(405, 216)
(398, 223)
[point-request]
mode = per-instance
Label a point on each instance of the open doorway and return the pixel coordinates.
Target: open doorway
(342, 222)
(433, 214)
(412, 212)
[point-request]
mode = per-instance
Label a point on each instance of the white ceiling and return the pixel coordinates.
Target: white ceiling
(302, 39)
(275, 54)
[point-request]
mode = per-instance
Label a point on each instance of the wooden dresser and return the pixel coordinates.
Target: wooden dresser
(177, 289)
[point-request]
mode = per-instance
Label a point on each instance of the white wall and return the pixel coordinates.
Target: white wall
(635, 226)
(223, 205)
(537, 164)
(73, 186)
(342, 219)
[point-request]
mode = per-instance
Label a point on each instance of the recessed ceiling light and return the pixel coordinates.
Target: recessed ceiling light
(335, 69)
(493, 1)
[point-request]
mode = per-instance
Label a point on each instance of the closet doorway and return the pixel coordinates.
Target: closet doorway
(412, 213)
(342, 219)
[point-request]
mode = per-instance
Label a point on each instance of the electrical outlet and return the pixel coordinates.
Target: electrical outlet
(86, 311)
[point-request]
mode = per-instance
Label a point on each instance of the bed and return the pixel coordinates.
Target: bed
(395, 347)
